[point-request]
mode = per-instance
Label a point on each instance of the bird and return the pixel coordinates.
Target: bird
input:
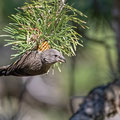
(33, 63)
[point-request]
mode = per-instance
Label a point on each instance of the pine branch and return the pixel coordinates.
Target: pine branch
(41, 21)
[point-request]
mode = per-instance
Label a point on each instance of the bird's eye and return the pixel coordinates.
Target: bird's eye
(56, 55)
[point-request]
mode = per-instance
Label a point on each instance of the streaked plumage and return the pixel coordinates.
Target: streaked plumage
(33, 63)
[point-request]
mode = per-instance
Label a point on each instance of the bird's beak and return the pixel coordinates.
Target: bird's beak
(62, 59)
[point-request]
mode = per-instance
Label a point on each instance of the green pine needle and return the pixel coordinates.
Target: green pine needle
(44, 20)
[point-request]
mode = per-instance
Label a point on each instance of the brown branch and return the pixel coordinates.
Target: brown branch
(102, 102)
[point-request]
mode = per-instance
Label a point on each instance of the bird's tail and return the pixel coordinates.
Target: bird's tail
(3, 70)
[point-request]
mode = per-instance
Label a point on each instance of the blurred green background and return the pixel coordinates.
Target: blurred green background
(96, 63)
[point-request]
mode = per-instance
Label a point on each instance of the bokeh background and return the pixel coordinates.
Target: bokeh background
(47, 97)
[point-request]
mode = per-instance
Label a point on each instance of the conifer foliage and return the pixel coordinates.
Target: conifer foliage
(45, 22)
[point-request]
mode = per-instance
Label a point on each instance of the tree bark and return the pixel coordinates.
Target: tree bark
(101, 103)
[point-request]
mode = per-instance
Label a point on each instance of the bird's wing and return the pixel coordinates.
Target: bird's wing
(13, 67)
(3, 70)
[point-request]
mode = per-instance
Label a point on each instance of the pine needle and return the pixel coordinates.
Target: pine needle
(44, 20)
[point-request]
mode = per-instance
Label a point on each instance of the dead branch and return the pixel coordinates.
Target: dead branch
(102, 102)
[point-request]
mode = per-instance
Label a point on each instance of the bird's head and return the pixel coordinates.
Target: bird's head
(52, 56)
